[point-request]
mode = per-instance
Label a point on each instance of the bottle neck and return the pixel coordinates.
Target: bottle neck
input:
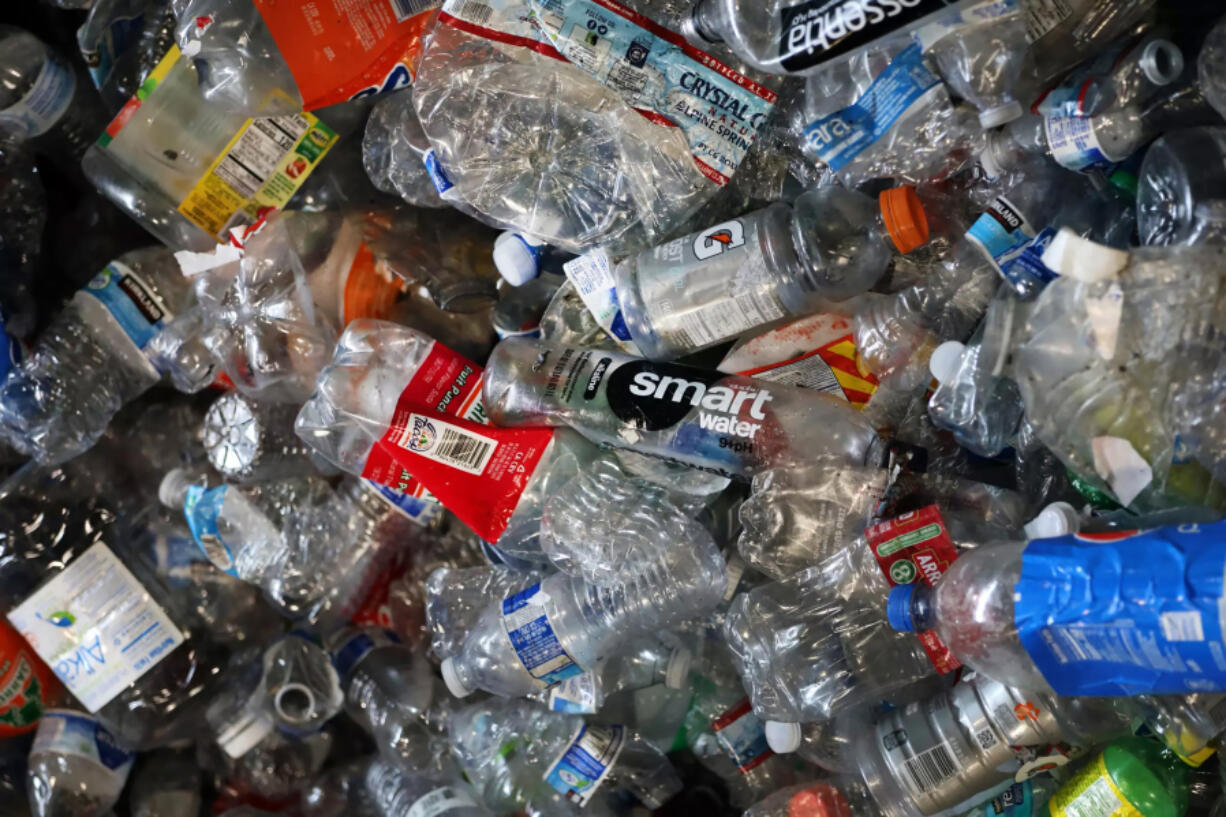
(923, 607)
(703, 23)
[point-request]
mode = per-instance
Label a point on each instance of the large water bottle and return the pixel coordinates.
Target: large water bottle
(764, 268)
(397, 793)
(45, 100)
(387, 689)
(1181, 190)
(76, 767)
(1021, 612)
(730, 424)
(91, 359)
(562, 625)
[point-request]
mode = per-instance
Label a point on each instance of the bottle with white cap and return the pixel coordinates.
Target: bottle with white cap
(1057, 519)
(520, 257)
(645, 662)
(830, 744)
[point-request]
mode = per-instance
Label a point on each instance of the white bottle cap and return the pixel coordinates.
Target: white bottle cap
(300, 707)
(1161, 61)
(945, 360)
(678, 669)
(173, 487)
(452, 679)
(995, 117)
(241, 737)
(782, 737)
(514, 259)
(1057, 519)
(1080, 258)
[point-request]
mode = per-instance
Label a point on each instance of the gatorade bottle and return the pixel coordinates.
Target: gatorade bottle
(1131, 777)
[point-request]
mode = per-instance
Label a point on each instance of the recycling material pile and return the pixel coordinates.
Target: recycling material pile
(474, 408)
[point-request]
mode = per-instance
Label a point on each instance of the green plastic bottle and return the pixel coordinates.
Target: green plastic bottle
(1130, 777)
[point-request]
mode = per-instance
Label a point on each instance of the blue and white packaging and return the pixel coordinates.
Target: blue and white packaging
(357, 646)
(585, 763)
(64, 732)
(1074, 144)
(1002, 231)
(531, 635)
(201, 508)
(592, 275)
(130, 300)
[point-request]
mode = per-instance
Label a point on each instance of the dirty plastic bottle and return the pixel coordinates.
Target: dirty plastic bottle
(1013, 611)
(730, 424)
(1181, 189)
(562, 625)
(90, 360)
(1135, 772)
(387, 689)
(46, 100)
(764, 268)
(76, 767)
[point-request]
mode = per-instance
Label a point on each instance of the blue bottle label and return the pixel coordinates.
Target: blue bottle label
(1001, 232)
(421, 510)
(585, 762)
(1073, 142)
(1126, 613)
(442, 183)
(356, 647)
(72, 733)
(132, 302)
(202, 507)
(838, 138)
(527, 627)
(1026, 270)
(1015, 801)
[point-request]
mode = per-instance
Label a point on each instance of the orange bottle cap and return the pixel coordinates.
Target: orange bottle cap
(904, 217)
(820, 800)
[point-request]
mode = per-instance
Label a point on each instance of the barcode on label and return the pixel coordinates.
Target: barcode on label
(446, 443)
(1182, 625)
(986, 739)
(930, 768)
(1096, 801)
(404, 9)
(475, 12)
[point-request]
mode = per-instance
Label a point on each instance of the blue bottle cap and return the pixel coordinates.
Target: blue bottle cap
(898, 608)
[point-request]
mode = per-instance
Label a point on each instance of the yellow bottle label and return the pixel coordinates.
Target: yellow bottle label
(1091, 793)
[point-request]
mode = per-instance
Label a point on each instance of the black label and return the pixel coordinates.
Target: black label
(597, 375)
(820, 30)
(656, 396)
(141, 297)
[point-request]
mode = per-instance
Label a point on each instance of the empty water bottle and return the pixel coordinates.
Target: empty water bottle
(973, 399)
(393, 148)
(456, 598)
(250, 441)
(1127, 73)
(397, 793)
(1181, 191)
(76, 766)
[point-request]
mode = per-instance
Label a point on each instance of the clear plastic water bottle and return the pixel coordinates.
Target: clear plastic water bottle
(1127, 73)
(562, 625)
(644, 662)
(764, 268)
(393, 148)
(90, 360)
(397, 793)
(76, 766)
(45, 100)
(1013, 611)
(973, 401)
(300, 689)
(387, 690)
(251, 441)
(1181, 189)
(457, 596)
(727, 423)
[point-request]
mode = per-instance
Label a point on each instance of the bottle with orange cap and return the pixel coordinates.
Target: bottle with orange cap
(764, 268)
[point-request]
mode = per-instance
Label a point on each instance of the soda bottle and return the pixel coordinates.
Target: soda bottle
(764, 268)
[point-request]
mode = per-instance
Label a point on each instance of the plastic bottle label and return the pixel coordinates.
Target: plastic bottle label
(833, 368)
(420, 509)
(1001, 231)
(357, 646)
(442, 182)
(710, 285)
(100, 53)
(132, 302)
(592, 275)
(924, 768)
(1015, 801)
(70, 733)
(743, 736)
(576, 695)
(654, 70)
(1073, 143)
(528, 629)
(1042, 16)
(1068, 96)
(585, 763)
(96, 627)
(202, 508)
(43, 105)
(358, 49)
(930, 33)
(1026, 270)
(441, 801)
(1091, 793)
(369, 291)
(26, 684)
(916, 546)
(838, 138)
(1125, 613)
(817, 31)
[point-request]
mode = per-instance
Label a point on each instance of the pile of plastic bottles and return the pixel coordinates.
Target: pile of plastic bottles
(459, 408)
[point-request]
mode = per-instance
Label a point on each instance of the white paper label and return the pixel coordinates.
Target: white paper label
(592, 275)
(96, 627)
(1122, 467)
(576, 695)
(441, 801)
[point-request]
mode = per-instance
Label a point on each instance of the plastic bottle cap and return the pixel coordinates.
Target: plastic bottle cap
(241, 737)
(945, 360)
(678, 669)
(514, 258)
(898, 608)
(1080, 258)
(1057, 519)
(995, 117)
(904, 218)
(452, 679)
(294, 703)
(1161, 61)
(172, 488)
(782, 737)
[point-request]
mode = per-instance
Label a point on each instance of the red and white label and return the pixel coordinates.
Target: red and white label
(916, 547)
